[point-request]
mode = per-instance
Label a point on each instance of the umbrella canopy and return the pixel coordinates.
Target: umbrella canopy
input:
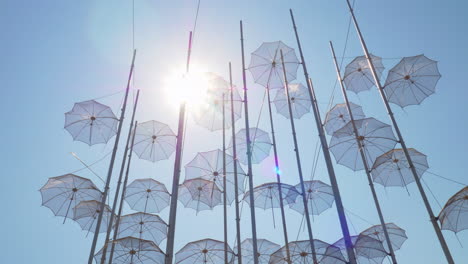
(301, 253)
(338, 117)
(143, 226)
(454, 215)
(154, 141)
(392, 168)
(266, 65)
(209, 166)
(131, 250)
(206, 251)
(260, 145)
(358, 75)
(396, 234)
(147, 195)
(264, 250)
(319, 197)
(375, 137)
(300, 101)
(367, 249)
(62, 193)
(91, 122)
(86, 213)
(199, 194)
(412, 80)
(267, 195)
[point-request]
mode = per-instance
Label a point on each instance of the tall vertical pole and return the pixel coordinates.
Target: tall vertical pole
(249, 153)
(177, 165)
(224, 184)
(122, 197)
(363, 158)
(432, 217)
(234, 160)
(298, 161)
(119, 183)
(111, 165)
(326, 154)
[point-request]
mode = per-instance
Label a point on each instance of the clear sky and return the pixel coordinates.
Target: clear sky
(55, 53)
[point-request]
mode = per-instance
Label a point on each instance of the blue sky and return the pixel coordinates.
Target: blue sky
(55, 53)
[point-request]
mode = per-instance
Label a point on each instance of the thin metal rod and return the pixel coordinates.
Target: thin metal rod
(299, 165)
(176, 177)
(111, 165)
(363, 158)
(326, 154)
(119, 183)
(432, 217)
(234, 160)
(278, 178)
(224, 184)
(122, 196)
(249, 154)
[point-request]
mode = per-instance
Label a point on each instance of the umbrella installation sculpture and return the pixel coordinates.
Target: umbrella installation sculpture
(358, 74)
(319, 197)
(131, 250)
(339, 116)
(200, 194)
(367, 249)
(206, 251)
(147, 195)
(430, 85)
(396, 234)
(143, 226)
(154, 141)
(265, 249)
(301, 253)
(86, 213)
(455, 212)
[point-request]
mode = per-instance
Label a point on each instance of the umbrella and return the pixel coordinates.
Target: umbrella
(86, 212)
(131, 250)
(265, 249)
(300, 101)
(358, 75)
(392, 168)
(260, 144)
(147, 195)
(411, 81)
(338, 117)
(367, 249)
(319, 197)
(199, 194)
(154, 141)
(396, 234)
(62, 193)
(376, 138)
(454, 215)
(143, 226)
(301, 253)
(266, 67)
(206, 251)
(91, 122)
(267, 195)
(209, 166)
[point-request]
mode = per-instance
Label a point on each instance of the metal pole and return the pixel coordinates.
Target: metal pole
(177, 165)
(234, 160)
(122, 197)
(326, 154)
(278, 179)
(249, 153)
(111, 165)
(433, 219)
(299, 166)
(224, 185)
(363, 158)
(117, 190)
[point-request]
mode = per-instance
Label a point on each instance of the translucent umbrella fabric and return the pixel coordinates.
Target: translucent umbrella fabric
(209, 166)
(260, 145)
(392, 168)
(267, 195)
(131, 250)
(367, 249)
(454, 215)
(412, 80)
(199, 194)
(319, 197)
(338, 117)
(91, 122)
(358, 75)
(265, 249)
(147, 195)
(206, 251)
(266, 66)
(86, 213)
(397, 235)
(300, 252)
(154, 141)
(62, 193)
(300, 101)
(376, 138)
(143, 226)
